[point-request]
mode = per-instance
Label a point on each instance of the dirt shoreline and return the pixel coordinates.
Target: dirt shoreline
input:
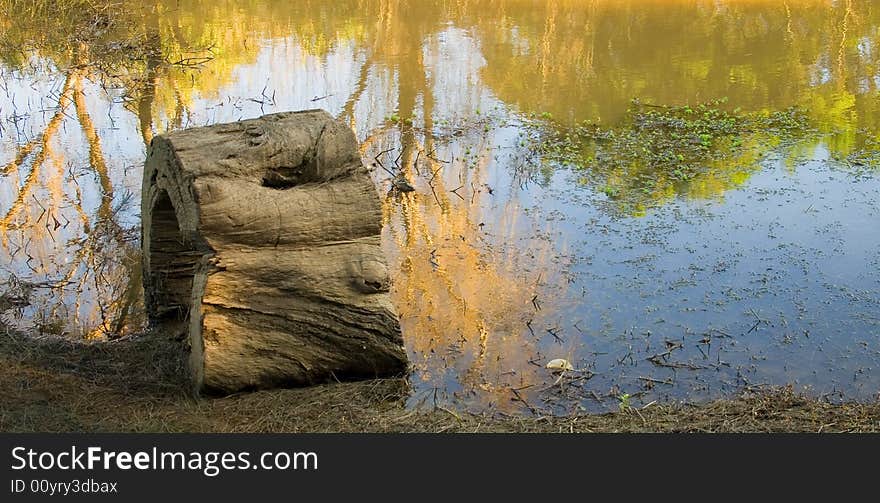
(136, 385)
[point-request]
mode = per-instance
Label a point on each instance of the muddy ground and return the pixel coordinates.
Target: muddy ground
(138, 385)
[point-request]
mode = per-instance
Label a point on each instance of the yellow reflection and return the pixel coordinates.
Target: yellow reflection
(50, 239)
(572, 60)
(465, 300)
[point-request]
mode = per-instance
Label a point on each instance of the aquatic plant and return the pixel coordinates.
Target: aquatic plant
(624, 405)
(659, 151)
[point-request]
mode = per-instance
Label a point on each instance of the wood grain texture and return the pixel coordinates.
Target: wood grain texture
(261, 243)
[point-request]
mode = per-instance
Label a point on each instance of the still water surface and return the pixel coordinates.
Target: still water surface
(757, 269)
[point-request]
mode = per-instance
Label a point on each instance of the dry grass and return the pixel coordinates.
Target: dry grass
(137, 385)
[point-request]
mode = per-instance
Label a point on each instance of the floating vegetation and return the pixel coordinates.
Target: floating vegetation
(865, 157)
(659, 151)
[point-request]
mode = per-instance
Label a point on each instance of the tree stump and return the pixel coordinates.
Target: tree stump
(261, 244)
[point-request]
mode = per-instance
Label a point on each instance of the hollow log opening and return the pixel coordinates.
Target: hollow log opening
(173, 262)
(175, 279)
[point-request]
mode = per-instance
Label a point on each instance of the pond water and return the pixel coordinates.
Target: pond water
(680, 197)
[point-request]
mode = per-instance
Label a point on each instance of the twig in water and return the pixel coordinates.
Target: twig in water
(434, 174)
(657, 381)
(435, 195)
(627, 355)
(758, 321)
(552, 331)
(455, 191)
(416, 163)
(380, 154)
(521, 399)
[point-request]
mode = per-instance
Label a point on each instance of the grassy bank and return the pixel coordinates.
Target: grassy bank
(137, 385)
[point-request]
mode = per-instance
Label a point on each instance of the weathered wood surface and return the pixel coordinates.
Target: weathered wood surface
(261, 242)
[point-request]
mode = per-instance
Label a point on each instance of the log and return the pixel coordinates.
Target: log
(261, 247)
